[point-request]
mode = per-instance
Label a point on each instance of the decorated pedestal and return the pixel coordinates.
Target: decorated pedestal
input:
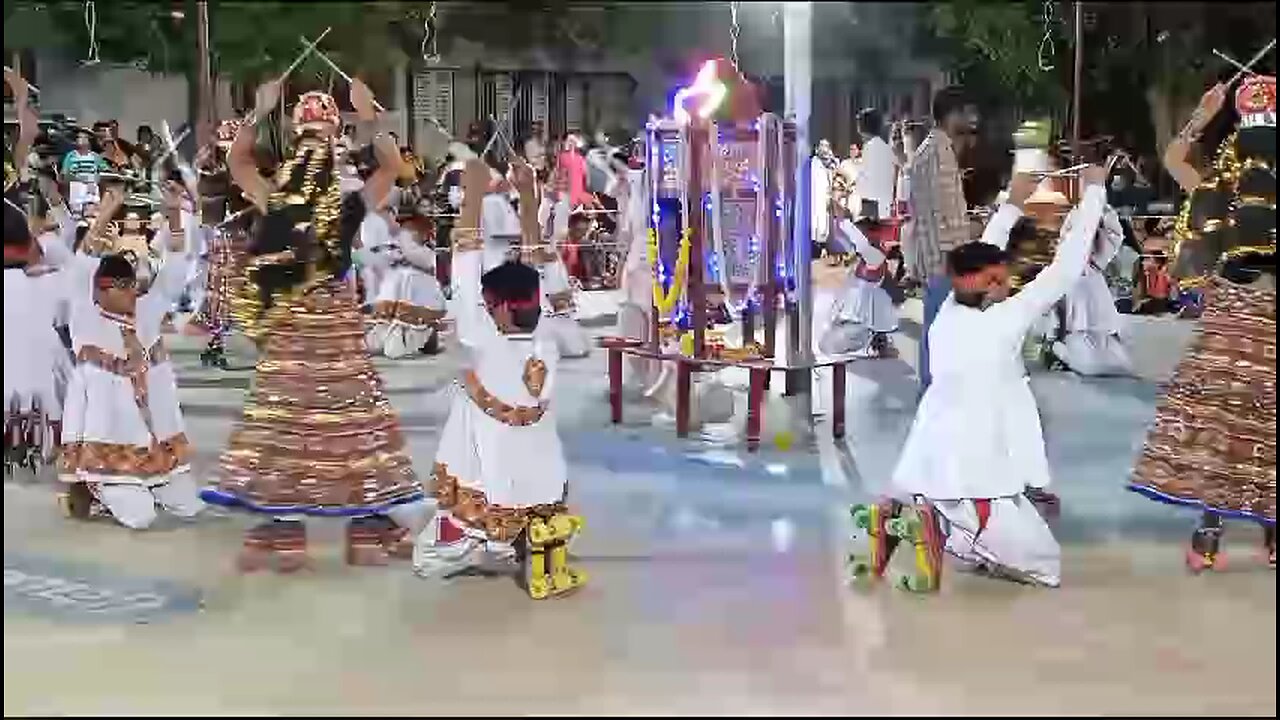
(720, 235)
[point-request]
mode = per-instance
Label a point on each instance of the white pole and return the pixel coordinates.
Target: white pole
(797, 68)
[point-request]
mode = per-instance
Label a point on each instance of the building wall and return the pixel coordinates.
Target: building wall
(104, 92)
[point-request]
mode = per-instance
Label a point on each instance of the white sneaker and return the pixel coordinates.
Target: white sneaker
(438, 562)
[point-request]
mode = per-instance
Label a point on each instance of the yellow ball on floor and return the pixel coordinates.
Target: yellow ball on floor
(784, 440)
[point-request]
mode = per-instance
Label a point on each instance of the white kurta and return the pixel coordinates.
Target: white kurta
(408, 300)
(1094, 343)
(511, 466)
(375, 237)
(101, 413)
(560, 320)
(875, 177)
(34, 355)
(977, 431)
(637, 278)
(863, 307)
(820, 210)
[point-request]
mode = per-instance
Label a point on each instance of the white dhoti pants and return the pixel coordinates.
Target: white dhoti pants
(1015, 543)
(1094, 354)
(134, 506)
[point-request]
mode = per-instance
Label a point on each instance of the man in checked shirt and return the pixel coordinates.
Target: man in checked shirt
(937, 208)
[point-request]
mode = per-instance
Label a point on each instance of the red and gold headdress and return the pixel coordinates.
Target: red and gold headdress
(1256, 101)
(316, 110)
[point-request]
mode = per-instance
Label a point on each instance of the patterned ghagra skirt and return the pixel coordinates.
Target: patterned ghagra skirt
(1213, 445)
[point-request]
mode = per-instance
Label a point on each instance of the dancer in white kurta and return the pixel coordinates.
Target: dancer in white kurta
(408, 304)
(636, 279)
(34, 357)
(822, 166)
(559, 306)
(975, 453)
(1094, 342)
(500, 463)
(123, 436)
(863, 316)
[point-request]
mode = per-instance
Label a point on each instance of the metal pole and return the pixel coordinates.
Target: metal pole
(797, 28)
(699, 130)
(1075, 86)
(205, 100)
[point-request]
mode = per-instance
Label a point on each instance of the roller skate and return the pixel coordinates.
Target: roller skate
(1204, 552)
(432, 346)
(1045, 503)
(214, 356)
(444, 551)
(920, 526)
(281, 541)
(546, 570)
(364, 542)
(77, 502)
(882, 346)
(872, 520)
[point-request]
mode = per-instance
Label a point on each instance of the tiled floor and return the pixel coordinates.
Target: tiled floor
(716, 586)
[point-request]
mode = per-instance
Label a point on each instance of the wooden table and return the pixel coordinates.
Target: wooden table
(759, 373)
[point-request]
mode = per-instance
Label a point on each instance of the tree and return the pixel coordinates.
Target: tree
(248, 40)
(995, 49)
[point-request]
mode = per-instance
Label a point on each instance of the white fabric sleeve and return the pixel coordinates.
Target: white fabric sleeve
(1110, 238)
(1022, 310)
(1000, 225)
(475, 325)
(861, 245)
(418, 255)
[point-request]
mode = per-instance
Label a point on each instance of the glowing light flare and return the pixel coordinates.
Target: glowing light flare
(707, 89)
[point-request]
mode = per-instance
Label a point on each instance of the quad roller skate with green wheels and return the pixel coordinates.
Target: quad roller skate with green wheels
(869, 564)
(920, 526)
(546, 570)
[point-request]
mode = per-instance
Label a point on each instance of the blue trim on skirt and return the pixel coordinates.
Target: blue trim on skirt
(1157, 495)
(218, 497)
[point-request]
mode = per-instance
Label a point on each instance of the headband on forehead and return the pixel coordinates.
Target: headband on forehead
(120, 283)
(524, 304)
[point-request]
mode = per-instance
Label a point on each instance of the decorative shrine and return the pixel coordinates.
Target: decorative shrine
(723, 197)
(722, 205)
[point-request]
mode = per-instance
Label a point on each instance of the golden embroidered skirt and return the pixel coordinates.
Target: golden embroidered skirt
(1213, 445)
(319, 436)
(223, 275)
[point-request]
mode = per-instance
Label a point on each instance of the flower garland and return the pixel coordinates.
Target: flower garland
(665, 299)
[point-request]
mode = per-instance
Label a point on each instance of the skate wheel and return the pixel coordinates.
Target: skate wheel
(539, 588)
(540, 533)
(915, 584)
(860, 569)
(568, 580)
(904, 527)
(1198, 562)
(862, 515)
(564, 527)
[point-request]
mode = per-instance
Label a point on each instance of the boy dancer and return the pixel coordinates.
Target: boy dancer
(974, 460)
(123, 437)
(864, 316)
(1093, 343)
(500, 475)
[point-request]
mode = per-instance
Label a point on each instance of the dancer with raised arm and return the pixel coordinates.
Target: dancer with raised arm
(123, 438)
(226, 219)
(318, 436)
(500, 476)
(974, 461)
(1213, 445)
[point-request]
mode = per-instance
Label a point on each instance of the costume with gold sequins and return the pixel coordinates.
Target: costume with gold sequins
(1213, 444)
(318, 436)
